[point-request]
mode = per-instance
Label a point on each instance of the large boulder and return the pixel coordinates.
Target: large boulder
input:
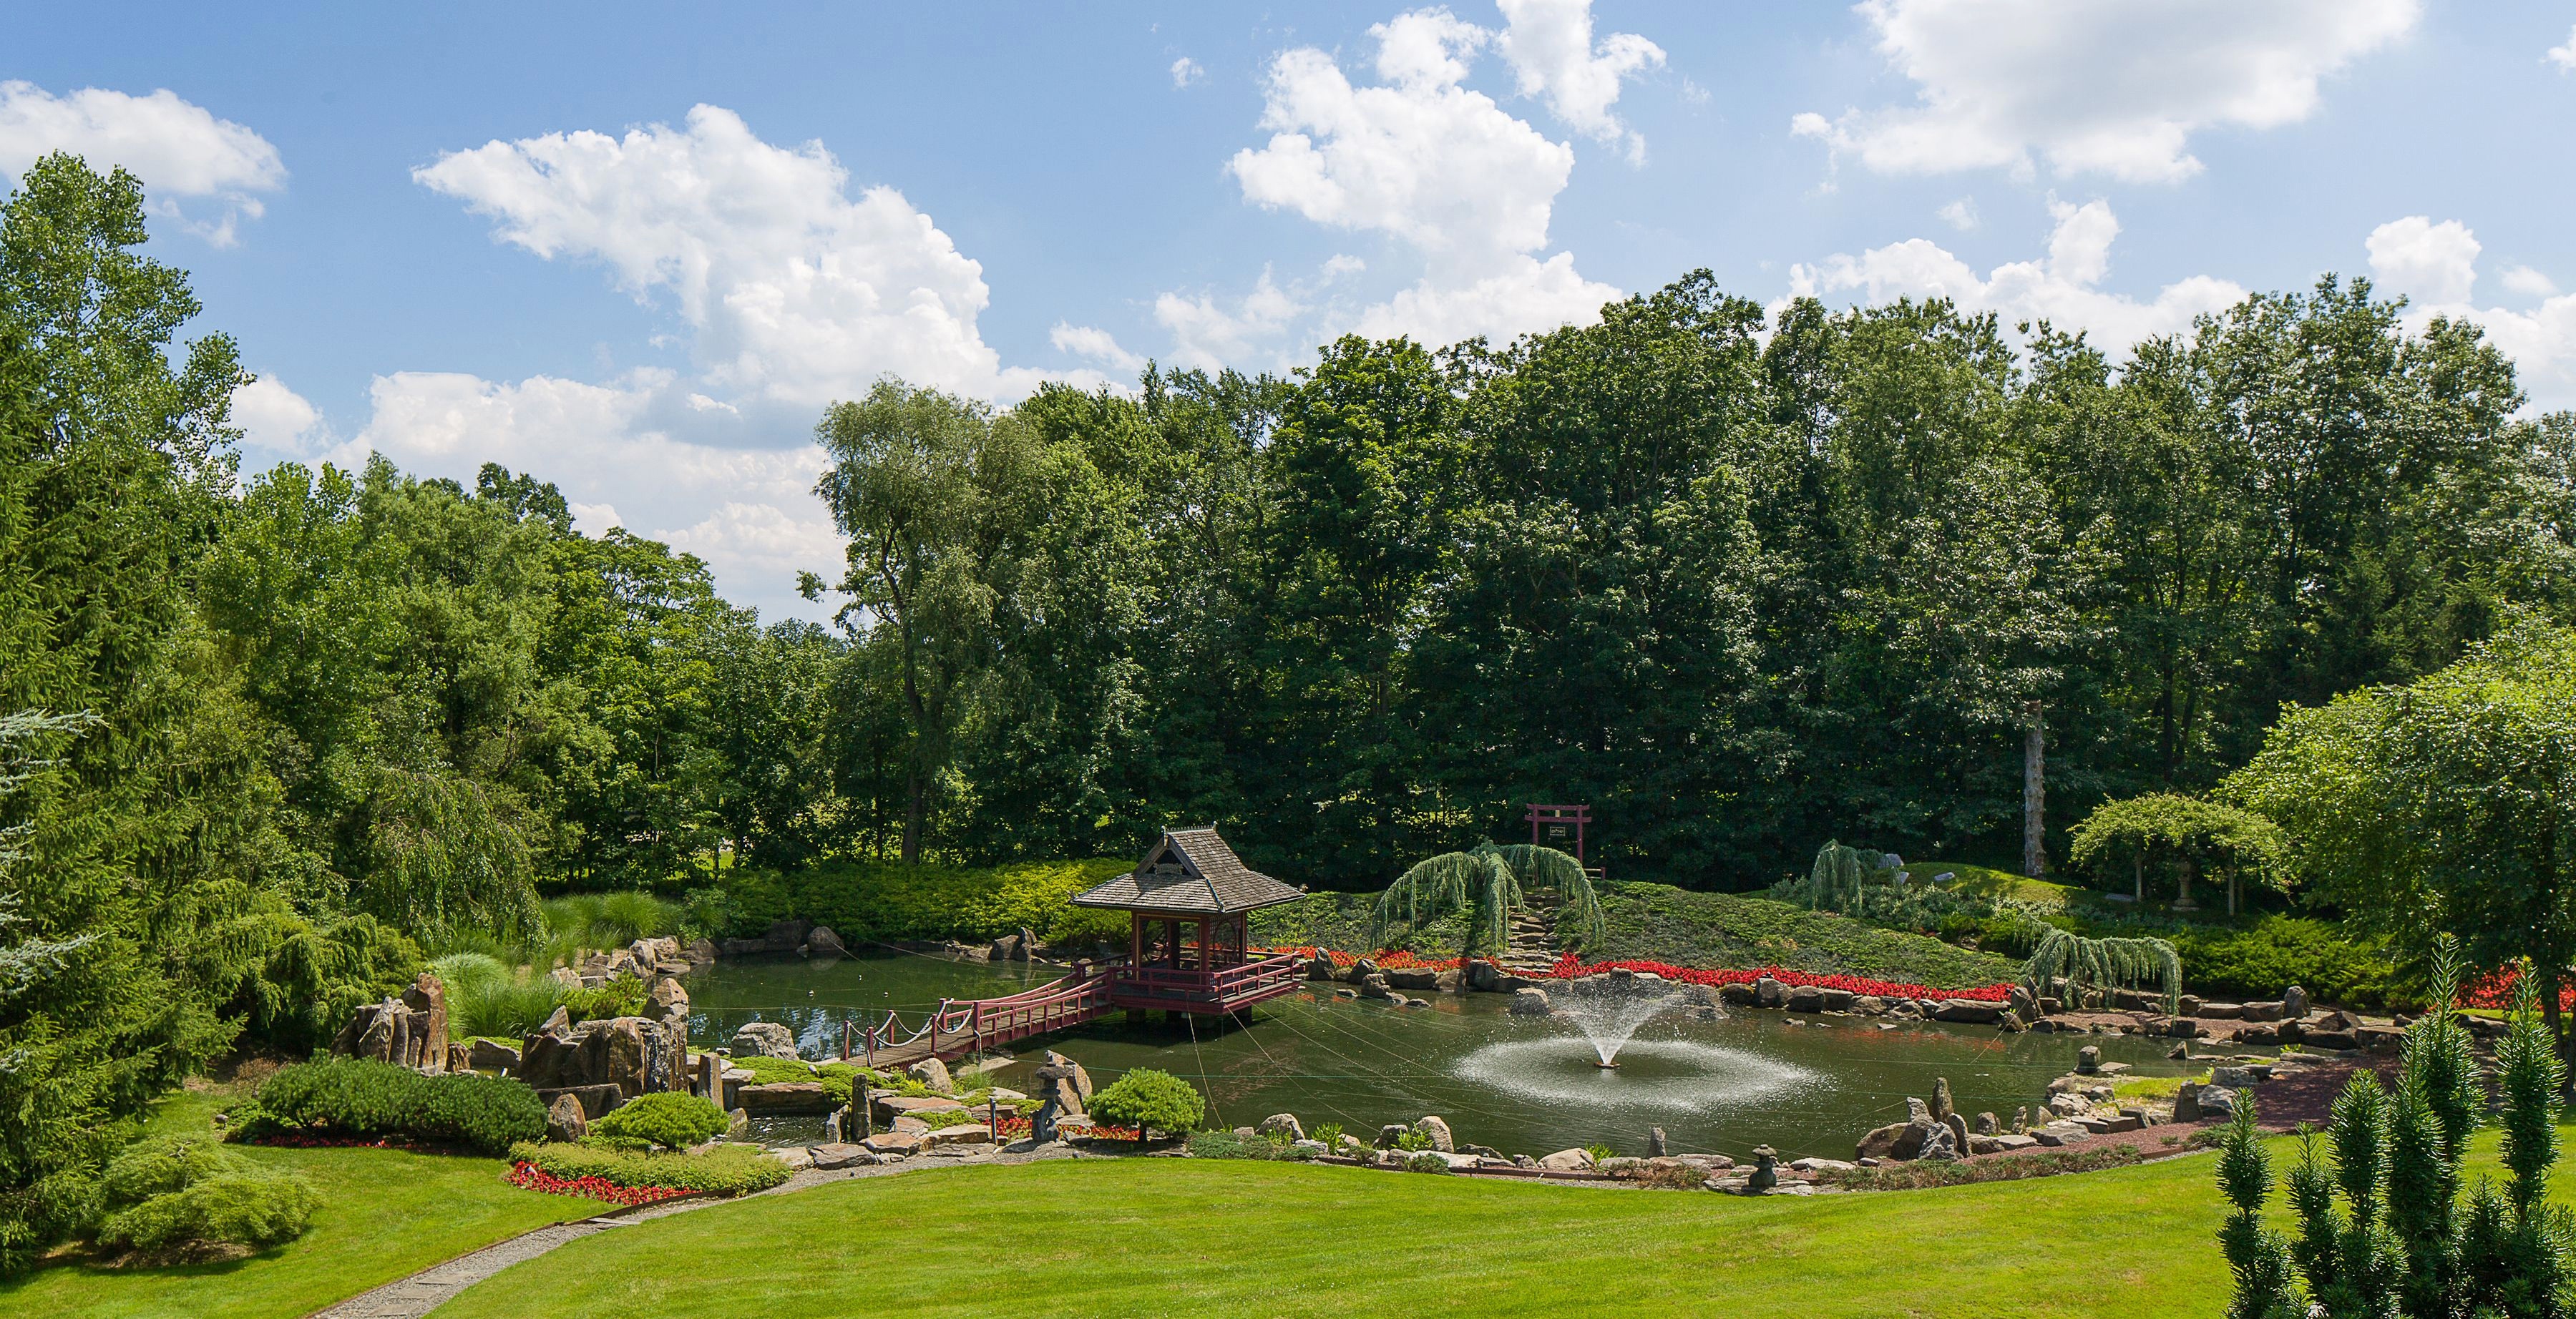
(1880, 1143)
(668, 1001)
(2186, 1106)
(1413, 978)
(1567, 1161)
(822, 942)
(1804, 998)
(2294, 1003)
(1970, 1011)
(1736, 995)
(1007, 949)
(934, 1074)
(565, 1120)
(1283, 1124)
(1319, 967)
(764, 1039)
(427, 1000)
(1769, 993)
(1438, 1131)
(1375, 986)
(1530, 1002)
(492, 1056)
(2088, 1059)
(804, 1098)
(1483, 976)
(1942, 1105)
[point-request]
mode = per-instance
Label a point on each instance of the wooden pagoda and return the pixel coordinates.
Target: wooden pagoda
(1187, 943)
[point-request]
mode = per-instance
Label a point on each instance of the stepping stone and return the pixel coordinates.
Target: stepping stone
(895, 1142)
(841, 1156)
(890, 1107)
(969, 1133)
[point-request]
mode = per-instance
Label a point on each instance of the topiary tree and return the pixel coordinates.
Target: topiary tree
(2103, 964)
(1150, 1100)
(2188, 834)
(665, 1118)
(1489, 884)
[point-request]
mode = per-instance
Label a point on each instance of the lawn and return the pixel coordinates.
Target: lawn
(385, 1214)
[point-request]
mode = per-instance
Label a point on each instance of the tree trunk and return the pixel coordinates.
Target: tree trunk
(2034, 793)
(2138, 877)
(2231, 892)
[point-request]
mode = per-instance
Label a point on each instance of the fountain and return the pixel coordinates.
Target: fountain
(1609, 1009)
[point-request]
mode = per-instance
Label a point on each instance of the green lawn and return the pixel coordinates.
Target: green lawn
(1205, 1237)
(384, 1214)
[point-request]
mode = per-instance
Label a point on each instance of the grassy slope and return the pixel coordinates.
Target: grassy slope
(384, 1214)
(1203, 1237)
(1661, 923)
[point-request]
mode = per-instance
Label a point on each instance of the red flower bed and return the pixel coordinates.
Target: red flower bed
(2496, 991)
(529, 1177)
(1569, 966)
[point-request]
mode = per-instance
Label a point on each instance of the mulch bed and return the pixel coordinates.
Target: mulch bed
(2283, 1105)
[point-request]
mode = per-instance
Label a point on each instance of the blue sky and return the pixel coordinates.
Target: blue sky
(635, 249)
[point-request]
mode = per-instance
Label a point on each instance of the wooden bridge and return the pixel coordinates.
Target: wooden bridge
(957, 1029)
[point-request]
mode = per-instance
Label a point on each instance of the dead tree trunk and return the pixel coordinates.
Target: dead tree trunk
(2034, 793)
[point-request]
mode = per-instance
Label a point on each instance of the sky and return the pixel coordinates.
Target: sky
(636, 250)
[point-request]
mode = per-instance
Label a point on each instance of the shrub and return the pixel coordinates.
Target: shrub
(724, 1170)
(173, 1196)
(1330, 1133)
(364, 1098)
(620, 997)
(1426, 1161)
(1147, 1099)
(875, 900)
(1601, 1154)
(1411, 1141)
(675, 1120)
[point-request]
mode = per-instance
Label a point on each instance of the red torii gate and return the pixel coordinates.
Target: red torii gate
(1556, 820)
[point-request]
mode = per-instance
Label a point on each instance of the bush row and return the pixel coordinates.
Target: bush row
(724, 1170)
(362, 1098)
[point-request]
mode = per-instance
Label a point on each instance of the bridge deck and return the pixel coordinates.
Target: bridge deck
(958, 1029)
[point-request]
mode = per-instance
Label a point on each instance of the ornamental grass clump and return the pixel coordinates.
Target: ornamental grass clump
(1149, 1101)
(2381, 1229)
(170, 1200)
(356, 1097)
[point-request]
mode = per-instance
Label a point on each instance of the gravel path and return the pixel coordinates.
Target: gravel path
(422, 1292)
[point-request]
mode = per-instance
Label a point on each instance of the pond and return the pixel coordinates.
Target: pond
(1803, 1085)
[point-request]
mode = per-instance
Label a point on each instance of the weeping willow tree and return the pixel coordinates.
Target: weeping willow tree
(1489, 884)
(1838, 875)
(2104, 964)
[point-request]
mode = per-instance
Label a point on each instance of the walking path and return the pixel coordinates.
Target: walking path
(422, 1292)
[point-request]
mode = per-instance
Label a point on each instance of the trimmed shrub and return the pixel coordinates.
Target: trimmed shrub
(724, 1170)
(622, 996)
(1426, 1161)
(177, 1197)
(674, 1120)
(363, 1098)
(1150, 1100)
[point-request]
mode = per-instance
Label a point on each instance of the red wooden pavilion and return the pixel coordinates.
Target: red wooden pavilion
(1187, 940)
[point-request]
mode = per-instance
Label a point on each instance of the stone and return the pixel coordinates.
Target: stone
(708, 1083)
(1081, 1078)
(1390, 1133)
(2260, 1011)
(2061, 1133)
(1283, 1124)
(2330, 1039)
(1837, 1000)
(1346, 993)
(1567, 1161)
(2217, 1103)
(1736, 995)
(1916, 1110)
(2294, 1003)
(1958, 1126)
(934, 1074)
(1988, 1125)
(427, 1000)
(2221, 1012)
(838, 1154)
(764, 1039)
(2021, 1118)
(2005, 1144)
(784, 1097)
(1375, 986)
(1483, 977)
(1007, 949)
(491, 1056)
(1769, 993)
(1530, 1002)
(964, 1133)
(1360, 970)
(1766, 1169)
(565, 1120)
(1446, 982)
(596, 1100)
(1868, 1005)
(2234, 1078)
(560, 1021)
(1804, 998)
(1319, 967)
(1880, 1143)
(1438, 1130)
(1905, 1007)
(894, 1142)
(1821, 1165)
(1414, 978)
(737, 1124)
(1968, 1011)
(1656, 1146)
(892, 1106)
(1942, 1105)
(2088, 1059)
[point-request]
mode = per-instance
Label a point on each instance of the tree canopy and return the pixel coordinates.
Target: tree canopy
(2192, 834)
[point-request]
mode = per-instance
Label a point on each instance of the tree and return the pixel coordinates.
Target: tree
(2443, 807)
(1490, 885)
(2188, 832)
(918, 481)
(1150, 1100)
(2083, 964)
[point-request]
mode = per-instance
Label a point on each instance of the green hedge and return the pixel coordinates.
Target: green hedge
(674, 1120)
(174, 1197)
(866, 900)
(1150, 1100)
(2276, 952)
(361, 1098)
(724, 1170)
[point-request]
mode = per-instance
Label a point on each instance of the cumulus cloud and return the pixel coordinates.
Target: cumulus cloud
(2435, 266)
(2564, 56)
(1420, 158)
(1186, 71)
(1094, 344)
(201, 172)
(797, 292)
(1553, 56)
(1960, 215)
(2100, 86)
(275, 420)
(2061, 288)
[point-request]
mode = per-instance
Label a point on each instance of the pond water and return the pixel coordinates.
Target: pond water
(1523, 1085)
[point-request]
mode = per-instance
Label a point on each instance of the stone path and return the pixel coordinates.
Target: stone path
(422, 1292)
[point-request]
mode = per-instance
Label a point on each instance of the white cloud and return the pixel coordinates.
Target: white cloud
(179, 150)
(1550, 47)
(2529, 282)
(594, 519)
(2564, 56)
(1186, 71)
(2062, 288)
(2429, 263)
(798, 294)
(1417, 157)
(1094, 344)
(2435, 266)
(1960, 215)
(275, 420)
(2101, 86)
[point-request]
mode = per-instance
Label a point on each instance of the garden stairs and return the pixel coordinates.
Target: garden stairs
(1531, 949)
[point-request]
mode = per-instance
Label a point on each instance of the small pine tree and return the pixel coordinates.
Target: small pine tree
(2260, 1259)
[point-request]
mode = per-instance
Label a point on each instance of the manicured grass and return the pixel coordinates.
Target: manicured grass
(1162, 1236)
(384, 1214)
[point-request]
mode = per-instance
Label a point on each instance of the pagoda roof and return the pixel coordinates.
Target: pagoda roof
(1190, 872)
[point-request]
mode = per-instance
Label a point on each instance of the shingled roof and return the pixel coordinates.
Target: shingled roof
(1191, 871)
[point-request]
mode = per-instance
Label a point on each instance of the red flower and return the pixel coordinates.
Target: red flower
(528, 1176)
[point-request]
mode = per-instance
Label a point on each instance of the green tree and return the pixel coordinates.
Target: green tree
(1490, 885)
(2188, 833)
